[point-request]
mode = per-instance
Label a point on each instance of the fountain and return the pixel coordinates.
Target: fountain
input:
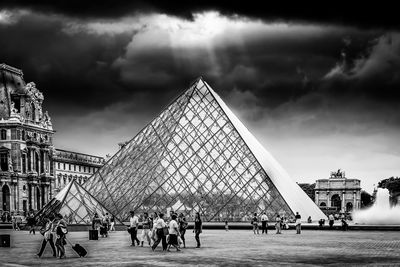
(380, 213)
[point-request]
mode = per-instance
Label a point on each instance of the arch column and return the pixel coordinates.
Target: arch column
(343, 201)
(328, 197)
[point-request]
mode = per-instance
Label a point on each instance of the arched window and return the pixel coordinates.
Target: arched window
(3, 134)
(322, 204)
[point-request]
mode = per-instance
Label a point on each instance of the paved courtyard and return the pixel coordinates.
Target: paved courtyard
(233, 248)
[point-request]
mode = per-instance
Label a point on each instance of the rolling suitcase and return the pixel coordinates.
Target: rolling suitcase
(81, 251)
(93, 235)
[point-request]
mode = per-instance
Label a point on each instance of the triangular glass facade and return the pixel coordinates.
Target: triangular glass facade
(75, 204)
(190, 158)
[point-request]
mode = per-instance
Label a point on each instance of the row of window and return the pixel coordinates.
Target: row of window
(74, 167)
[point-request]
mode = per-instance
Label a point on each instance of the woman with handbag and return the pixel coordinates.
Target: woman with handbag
(61, 231)
(47, 232)
(162, 232)
(198, 228)
(173, 233)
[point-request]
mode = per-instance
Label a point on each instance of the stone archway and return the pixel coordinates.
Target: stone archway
(6, 198)
(336, 202)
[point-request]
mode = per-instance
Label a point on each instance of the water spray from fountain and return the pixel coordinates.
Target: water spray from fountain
(380, 213)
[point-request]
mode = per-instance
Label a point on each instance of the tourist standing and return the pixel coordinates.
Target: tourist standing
(31, 222)
(133, 225)
(198, 228)
(298, 223)
(48, 236)
(146, 229)
(278, 224)
(61, 231)
(331, 221)
(173, 233)
(226, 226)
(254, 222)
(159, 226)
(264, 223)
(182, 227)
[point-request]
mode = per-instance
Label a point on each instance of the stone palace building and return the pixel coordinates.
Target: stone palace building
(32, 170)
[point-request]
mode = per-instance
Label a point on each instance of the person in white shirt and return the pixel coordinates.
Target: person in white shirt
(159, 226)
(133, 225)
(264, 223)
(173, 233)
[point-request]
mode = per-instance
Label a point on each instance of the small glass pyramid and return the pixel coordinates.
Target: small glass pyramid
(75, 204)
(197, 156)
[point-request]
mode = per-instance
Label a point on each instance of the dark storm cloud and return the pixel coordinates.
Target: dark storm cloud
(383, 14)
(72, 70)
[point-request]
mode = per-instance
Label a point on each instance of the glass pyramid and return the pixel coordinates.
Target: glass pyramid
(195, 156)
(75, 204)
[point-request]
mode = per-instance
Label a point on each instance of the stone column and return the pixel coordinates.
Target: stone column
(12, 197)
(34, 204)
(343, 201)
(328, 198)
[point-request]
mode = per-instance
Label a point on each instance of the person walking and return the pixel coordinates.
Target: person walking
(112, 224)
(133, 225)
(278, 224)
(264, 223)
(198, 228)
(182, 227)
(154, 229)
(159, 226)
(331, 221)
(254, 222)
(61, 231)
(298, 223)
(48, 236)
(146, 229)
(173, 233)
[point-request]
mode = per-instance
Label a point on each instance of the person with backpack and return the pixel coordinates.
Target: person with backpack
(48, 236)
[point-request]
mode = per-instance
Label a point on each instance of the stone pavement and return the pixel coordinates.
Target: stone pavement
(233, 248)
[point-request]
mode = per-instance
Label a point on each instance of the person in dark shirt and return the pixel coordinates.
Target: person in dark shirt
(198, 226)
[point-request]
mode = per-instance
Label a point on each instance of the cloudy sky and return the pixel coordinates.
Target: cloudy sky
(317, 85)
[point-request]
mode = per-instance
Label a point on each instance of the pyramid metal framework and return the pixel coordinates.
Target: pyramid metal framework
(197, 156)
(75, 204)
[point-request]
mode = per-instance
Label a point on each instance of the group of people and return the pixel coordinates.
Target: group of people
(104, 224)
(280, 223)
(54, 232)
(156, 229)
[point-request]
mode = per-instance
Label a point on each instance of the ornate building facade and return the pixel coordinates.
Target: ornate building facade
(69, 165)
(338, 193)
(27, 154)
